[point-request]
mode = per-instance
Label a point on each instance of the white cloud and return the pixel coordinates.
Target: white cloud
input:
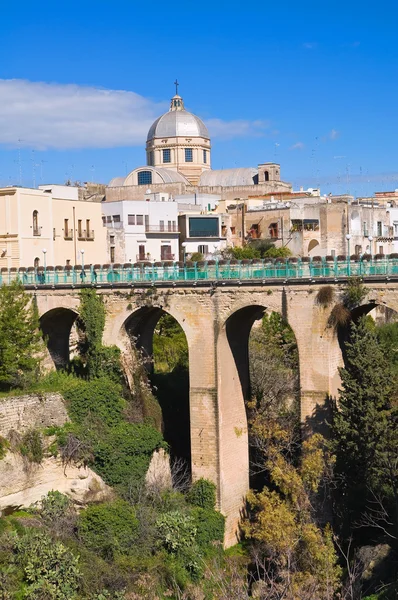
(297, 146)
(334, 134)
(48, 115)
(310, 45)
(59, 116)
(238, 128)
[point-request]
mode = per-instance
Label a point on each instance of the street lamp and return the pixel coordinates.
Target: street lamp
(184, 245)
(348, 237)
(82, 273)
(44, 262)
(370, 238)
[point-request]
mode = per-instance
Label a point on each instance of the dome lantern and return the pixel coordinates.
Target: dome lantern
(179, 140)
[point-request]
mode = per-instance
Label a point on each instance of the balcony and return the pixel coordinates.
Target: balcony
(85, 234)
(203, 234)
(164, 257)
(172, 228)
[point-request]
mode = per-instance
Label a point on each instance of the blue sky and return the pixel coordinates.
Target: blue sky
(312, 85)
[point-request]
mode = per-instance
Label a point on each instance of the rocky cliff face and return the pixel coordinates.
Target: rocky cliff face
(22, 482)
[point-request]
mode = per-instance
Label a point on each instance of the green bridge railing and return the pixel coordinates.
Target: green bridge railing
(292, 268)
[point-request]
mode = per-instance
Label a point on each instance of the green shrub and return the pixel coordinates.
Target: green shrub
(196, 256)
(100, 399)
(50, 570)
(202, 494)
(31, 446)
(176, 531)
(354, 293)
(124, 453)
(210, 526)
(4, 445)
(108, 529)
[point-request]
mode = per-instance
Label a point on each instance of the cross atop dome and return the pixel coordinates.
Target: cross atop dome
(177, 103)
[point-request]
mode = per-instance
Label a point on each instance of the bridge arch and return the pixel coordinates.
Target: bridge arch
(56, 325)
(171, 388)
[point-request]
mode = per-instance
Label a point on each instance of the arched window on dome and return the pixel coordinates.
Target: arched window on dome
(144, 177)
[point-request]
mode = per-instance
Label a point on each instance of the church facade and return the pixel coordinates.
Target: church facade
(178, 161)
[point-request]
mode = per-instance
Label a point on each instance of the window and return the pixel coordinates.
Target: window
(36, 229)
(150, 158)
(395, 229)
(233, 230)
(188, 155)
(131, 219)
(112, 239)
(381, 250)
(103, 220)
(165, 253)
(140, 219)
(358, 249)
(205, 156)
(67, 232)
(203, 249)
(144, 177)
(273, 230)
(266, 176)
(161, 225)
(333, 253)
(112, 254)
(147, 222)
(379, 229)
(174, 225)
(68, 262)
(141, 252)
(109, 219)
(166, 155)
(88, 230)
(204, 227)
(169, 226)
(365, 229)
(36, 262)
(79, 228)
(116, 218)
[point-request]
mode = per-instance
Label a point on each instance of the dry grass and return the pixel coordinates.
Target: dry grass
(340, 316)
(325, 296)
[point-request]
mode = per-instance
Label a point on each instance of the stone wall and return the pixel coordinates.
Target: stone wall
(26, 412)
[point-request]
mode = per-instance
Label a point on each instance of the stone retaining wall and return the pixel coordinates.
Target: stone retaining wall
(31, 411)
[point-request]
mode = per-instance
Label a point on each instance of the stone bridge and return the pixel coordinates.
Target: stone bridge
(217, 320)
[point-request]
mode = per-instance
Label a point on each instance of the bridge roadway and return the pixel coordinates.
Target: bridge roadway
(245, 270)
(217, 316)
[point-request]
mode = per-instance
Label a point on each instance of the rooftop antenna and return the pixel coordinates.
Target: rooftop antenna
(34, 165)
(20, 161)
(176, 84)
(41, 169)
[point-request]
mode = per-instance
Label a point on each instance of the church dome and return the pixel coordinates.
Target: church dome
(177, 123)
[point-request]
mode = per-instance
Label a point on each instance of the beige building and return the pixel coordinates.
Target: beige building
(313, 225)
(51, 226)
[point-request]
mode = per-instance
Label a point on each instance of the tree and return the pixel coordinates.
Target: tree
(365, 435)
(20, 338)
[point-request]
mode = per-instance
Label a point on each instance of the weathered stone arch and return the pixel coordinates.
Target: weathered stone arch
(56, 325)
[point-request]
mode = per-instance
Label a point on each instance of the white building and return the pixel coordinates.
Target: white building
(142, 229)
(203, 233)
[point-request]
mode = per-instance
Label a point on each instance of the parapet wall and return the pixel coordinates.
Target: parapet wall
(31, 411)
